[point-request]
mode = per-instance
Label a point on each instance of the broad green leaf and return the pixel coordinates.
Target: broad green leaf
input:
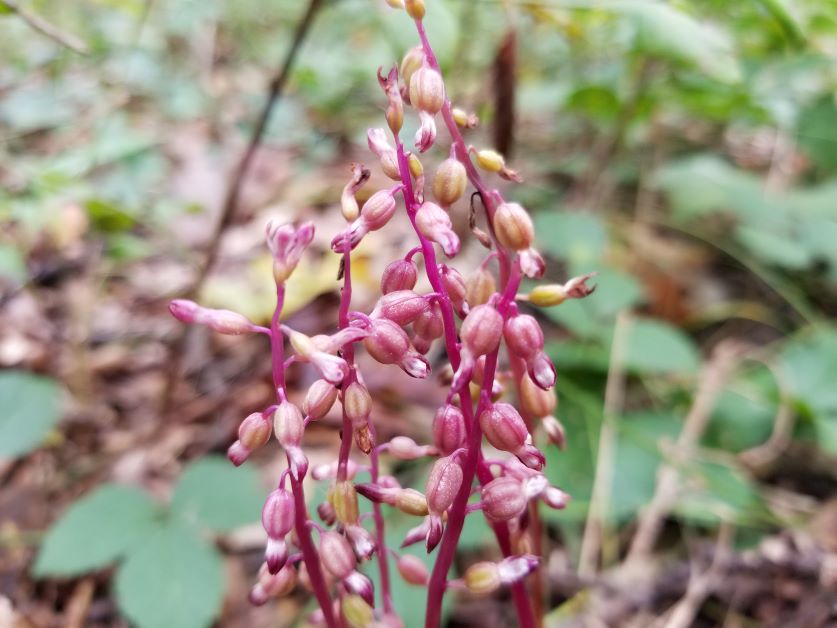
(655, 347)
(740, 421)
(29, 410)
(817, 133)
(213, 493)
(174, 578)
(774, 248)
(579, 239)
(97, 530)
(712, 492)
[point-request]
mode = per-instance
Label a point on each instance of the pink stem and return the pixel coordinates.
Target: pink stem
(383, 558)
(349, 356)
(301, 516)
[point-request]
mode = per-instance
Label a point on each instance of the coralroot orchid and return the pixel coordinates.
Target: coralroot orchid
(478, 323)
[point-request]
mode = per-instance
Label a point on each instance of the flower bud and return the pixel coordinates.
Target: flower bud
(414, 364)
(542, 371)
(357, 403)
(443, 483)
(401, 274)
(222, 321)
(503, 499)
(523, 336)
(343, 497)
(405, 448)
(288, 425)
(515, 568)
(455, 287)
(555, 294)
(378, 209)
(513, 227)
(287, 243)
(535, 401)
(482, 578)
(413, 570)
(254, 431)
(429, 324)
(554, 430)
(358, 584)
(434, 532)
(503, 427)
(411, 502)
(449, 182)
(416, 534)
(448, 429)
(402, 307)
(464, 119)
(361, 541)
(555, 498)
(427, 90)
(336, 554)
(364, 438)
(272, 585)
(356, 611)
(426, 133)
(395, 106)
(479, 287)
(434, 223)
(416, 169)
(319, 399)
(387, 343)
(481, 330)
(327, 513)
(415, 8)
(396, 4)
(278, 514)
(412, 61)
(490, 160)
(389, 165)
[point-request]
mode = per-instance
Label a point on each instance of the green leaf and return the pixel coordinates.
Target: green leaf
(96, 530)
(579, 239)
(655, 347)
(817, 132)
(213, 493)
(30, 410)
(774, 248)
(714, 492)
(175, 578)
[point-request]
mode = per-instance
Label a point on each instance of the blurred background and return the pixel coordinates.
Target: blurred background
(685, 150)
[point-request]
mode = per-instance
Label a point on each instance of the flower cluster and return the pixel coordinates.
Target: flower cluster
(499, 384)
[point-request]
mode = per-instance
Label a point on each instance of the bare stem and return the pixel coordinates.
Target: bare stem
(46, 28)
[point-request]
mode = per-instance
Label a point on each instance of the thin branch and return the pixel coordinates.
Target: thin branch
(48, 29)
(274, 93)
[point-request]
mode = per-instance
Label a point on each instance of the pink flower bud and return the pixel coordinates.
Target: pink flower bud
(531, 263)
(434, 223)
(503, 427)
(479, 287)
(515, 568)
(287, 243)
(319, 399)
(481, 330)
(275, 554)
(448, 429)
(376, 493)
(401, 274)
(531, 456)
(405, 448)
(523, 336)
(414, 364)
(358, 584)
(412, 61)
(429, 324)
(337, 555)
(272, 585)
(413, 570)
(554, 431)
(278, 514)
(377, 141)
(375, 213)
(361, 540)
(332, 368)
(402, 307)
(443, 483)
(555, 498)
(513, 227)
(387, 343)
(426, 133)
(427, 90)
(357, 403)
(238, 453)
(541, 370)
(222, 321)
(454, 284)
(253, 433)
(326, 513)
(503, 499)
(288, 425)
(434, 532)
(416, 534)
(535, 402)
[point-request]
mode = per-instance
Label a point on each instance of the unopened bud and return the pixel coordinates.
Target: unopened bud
(343, 497)
(554, 430)
(455, 286)
(405, 448)
(222, 321)
(361, 541)
(482, 578)
(319, 399)
(426, 133)
(513, 226)
(415, 8)
(464, 119)
(387, 343)
(503, 427)
(480, 286)
(416, 169)
(523, 336)
(515, 568)
(358, 584)
(430, 324)
(448, 429)
(542, 370)
(378, 209)
(401, 274)
(411, 502)
(336, 554)
(434, 223)
(555, 294)
(413, 570)
(503, 499)
(288, 425)
(254, 431)
(357, 403)
(402, 307)
(412, 61)
(481, 330)
(535, 401)
(489, 160)
(443, 484)
(450, 181)
(272, 585)
(356, 611)
(427, 90)
(278, 514)
(389, 164)
(327, 513)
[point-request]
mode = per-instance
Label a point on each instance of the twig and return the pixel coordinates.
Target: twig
(275, 89)
(712, 380)
(599, 500)
(48, 29)
(761, 456)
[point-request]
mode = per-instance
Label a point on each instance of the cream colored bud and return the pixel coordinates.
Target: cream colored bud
(416, 169)
(427, 90)
(490, 160)
(356, 612)
(411, 62)
(482, 578)
(548, 295)
(464, 119)
(535, 401)
(396, 4)
(479, 287)
(513, 227)
(412, 502)
(349, 207)
(415, 8)
(302, 344)
(343, 497)
(449, 182)
(389, 164)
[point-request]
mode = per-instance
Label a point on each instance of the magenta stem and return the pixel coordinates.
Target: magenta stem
(349, 356)
(380, 539)
(301, 516)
